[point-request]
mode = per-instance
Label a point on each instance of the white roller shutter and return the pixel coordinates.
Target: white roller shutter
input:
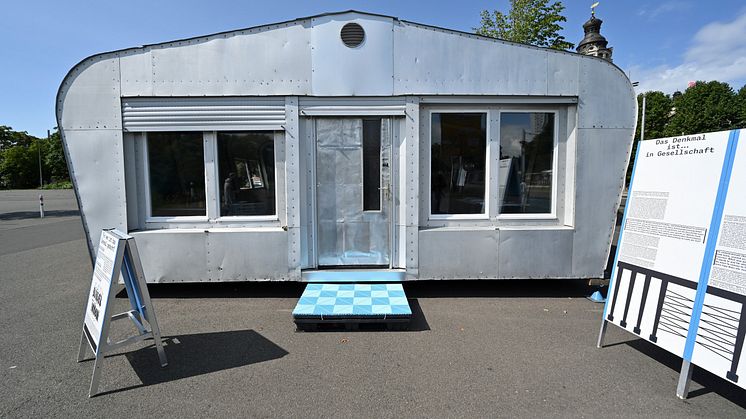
(202, 114)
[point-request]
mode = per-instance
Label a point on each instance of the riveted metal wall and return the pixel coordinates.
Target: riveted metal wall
(463, 253)
(399, 64)
(536, 252)
(263, 61)
(338, 70)
(202, 114)
(292, 187)
(412, 184)
(599, 185)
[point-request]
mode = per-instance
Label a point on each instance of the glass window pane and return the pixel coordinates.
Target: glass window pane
(526, 162)
(176, 163)
(246, 166)
(458, 161)
(371, 164)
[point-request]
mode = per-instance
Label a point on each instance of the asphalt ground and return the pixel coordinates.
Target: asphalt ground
(476, 349)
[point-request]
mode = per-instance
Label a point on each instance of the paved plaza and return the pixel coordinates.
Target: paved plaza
(475, 348)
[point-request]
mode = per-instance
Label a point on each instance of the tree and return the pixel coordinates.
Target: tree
(10, 138)
(704, 107)
(19, 167)
(54, 158)
(741, 98)
(19, 159)
(658, 107)
(534, 22)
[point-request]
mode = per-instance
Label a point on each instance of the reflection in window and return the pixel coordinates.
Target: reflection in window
(526, 162)
(371, 165)
(177, 174)
(246, 166)
(458, 160)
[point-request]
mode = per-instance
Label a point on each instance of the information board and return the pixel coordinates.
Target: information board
(98, 296)
(679, 273)
(117, 253)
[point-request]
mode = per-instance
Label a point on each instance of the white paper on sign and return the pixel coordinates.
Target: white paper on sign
(98, 296)
(669, 211)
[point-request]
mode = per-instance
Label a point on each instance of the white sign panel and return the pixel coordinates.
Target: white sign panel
(679, 277)
(719, 338)
(98, 296)
(669, 209)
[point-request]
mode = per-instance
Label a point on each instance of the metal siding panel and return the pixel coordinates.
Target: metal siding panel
(244, 256)
(202, 114)
(342, 71)
(271, 60)
(455, 63)
(537, 253)
(292, 187)
(458, 254)
(602, 156)
(562, 74)
(137, 74)
(98, 167)
(607, 99)
(412, 191)
(90, 96)
(173, 256)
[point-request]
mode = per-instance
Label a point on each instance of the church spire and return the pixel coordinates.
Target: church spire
(593, 42)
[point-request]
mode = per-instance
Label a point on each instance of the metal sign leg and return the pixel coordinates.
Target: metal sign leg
(96, 375)
(685, 378)
(602, 333)
(158, 341)
(83, 346)
(149, 311)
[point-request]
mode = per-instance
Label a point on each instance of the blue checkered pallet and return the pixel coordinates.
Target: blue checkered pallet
(352, 304)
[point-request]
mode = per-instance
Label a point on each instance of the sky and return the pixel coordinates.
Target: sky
(661, 44)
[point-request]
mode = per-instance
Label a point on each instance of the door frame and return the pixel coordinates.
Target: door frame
(393, 181)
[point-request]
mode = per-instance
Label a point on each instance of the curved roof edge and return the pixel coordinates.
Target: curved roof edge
(102, 55)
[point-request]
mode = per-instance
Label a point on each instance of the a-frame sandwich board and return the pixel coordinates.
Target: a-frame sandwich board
(117, 252)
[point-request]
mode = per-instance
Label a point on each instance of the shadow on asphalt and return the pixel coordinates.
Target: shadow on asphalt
(201, 353)
(710, 382)
(24, 215)
(418, 322)
(512, 288)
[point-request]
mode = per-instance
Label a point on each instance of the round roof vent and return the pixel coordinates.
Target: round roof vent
(352, 35)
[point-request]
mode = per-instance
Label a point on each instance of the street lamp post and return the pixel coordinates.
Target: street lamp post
(38, 149)
(642, 124)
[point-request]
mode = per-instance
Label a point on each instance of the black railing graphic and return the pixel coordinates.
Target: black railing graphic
(721, 331)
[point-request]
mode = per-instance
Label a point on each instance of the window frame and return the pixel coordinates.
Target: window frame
(485, 215)
(149, 217)
(217, 184)
(552, 215)
(380, 167)
(212, 217)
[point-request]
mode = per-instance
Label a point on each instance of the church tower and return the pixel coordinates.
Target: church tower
(593, 42)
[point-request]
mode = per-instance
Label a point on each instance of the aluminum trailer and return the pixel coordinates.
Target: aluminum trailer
(350, 140)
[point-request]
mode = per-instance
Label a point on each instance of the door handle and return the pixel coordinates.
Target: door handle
(386, 191)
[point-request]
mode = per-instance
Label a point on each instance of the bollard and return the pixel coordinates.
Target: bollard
(41, 205)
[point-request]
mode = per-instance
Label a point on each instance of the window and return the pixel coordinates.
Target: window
(246, 166)
(371, 165)
(176, 170)
(526, 166)
(458, 157)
